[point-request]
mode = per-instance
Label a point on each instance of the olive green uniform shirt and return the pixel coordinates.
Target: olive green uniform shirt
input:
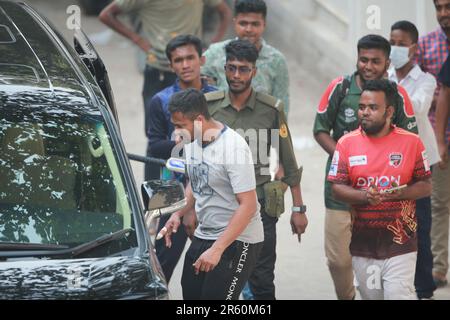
(271, 78)
(162, 20)
(265, 114)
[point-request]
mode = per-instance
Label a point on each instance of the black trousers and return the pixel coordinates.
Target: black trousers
(154, 81)
(262, 278)
(226, 280)
(169, 257)
(423, 280)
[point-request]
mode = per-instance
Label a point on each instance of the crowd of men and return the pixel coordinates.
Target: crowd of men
(385, 128)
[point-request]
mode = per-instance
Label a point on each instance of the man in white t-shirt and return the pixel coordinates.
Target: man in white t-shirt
(420, 87)
(222, 187)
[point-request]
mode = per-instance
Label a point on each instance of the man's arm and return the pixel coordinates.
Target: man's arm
(157, 130)
(423, 96)
(280, 85)
(352, 196)
(174, 221)
(225, 20)
(404, 112)
(326, 115)
(326, 142)
(442, 114)
(109, 17)
(239, 221)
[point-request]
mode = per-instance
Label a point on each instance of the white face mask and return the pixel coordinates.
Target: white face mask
(399, 56)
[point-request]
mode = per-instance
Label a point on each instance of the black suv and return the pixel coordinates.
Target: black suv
(71, 222)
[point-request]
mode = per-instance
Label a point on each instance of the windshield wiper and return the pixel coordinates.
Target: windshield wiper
(84, 247)
(30, 246)
(10, 250)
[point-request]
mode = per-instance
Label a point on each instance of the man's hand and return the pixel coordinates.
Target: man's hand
(443, 152)
(170, 227)
(208, 260)
(299, 222)
(373, 195)
(190, 223)
(142, 43)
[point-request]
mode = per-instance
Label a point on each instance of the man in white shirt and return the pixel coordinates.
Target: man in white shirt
(420, 87)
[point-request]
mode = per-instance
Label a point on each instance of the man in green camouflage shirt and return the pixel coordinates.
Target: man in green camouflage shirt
(249, 23)
(337, 116)
(260, 118)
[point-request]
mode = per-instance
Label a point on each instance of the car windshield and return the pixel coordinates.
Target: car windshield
(60, 180)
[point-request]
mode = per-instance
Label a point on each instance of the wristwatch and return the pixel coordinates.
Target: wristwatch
(299, 209)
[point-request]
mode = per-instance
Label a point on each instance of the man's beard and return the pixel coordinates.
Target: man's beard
(245, 86)
(374, 128)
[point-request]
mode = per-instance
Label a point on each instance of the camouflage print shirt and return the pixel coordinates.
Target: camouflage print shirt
(271, 78)
(338, 115)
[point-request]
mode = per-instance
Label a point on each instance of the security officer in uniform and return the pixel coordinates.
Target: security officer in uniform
(260, 118)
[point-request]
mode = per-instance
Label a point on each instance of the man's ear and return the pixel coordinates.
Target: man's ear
(202, 60)
(390, 112)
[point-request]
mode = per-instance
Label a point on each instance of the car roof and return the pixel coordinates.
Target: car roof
(34, 58)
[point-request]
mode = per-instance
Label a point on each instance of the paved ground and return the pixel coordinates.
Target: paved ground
(301, 271)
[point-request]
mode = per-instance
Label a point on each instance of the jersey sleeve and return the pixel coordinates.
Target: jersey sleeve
(404, 112)
(328, 107)
(339, 172)
(422, 166)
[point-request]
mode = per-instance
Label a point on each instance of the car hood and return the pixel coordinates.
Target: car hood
(105, 278)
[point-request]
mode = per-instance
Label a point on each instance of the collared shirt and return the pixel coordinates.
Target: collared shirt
(272, 76)
(433, 50)
(158, 126)
(420, 87)
(162, 20)
(263, 124)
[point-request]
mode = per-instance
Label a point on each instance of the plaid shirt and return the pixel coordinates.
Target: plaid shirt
(432, 53)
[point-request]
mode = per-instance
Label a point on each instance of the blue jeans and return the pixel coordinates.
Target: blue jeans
(424, 266)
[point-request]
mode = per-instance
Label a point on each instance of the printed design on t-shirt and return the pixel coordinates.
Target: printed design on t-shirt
(395, 159)
(350, 116)
(200, 179)
(405, 226)
(357, 160)
(334, 164)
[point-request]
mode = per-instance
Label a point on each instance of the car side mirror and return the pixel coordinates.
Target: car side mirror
(163, 197)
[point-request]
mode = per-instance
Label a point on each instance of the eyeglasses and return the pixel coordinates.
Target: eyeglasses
(244, 70)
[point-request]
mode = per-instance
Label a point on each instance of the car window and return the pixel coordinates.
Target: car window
(60, 179)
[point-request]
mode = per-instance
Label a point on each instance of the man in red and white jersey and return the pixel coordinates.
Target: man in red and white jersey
(367, 164)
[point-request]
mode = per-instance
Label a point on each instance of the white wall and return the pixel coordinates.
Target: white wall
(326, 31)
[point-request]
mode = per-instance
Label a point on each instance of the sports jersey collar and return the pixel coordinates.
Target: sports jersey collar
(251, 101)
(354, 89)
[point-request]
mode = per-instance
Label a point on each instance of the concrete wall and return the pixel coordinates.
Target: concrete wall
(323, 33)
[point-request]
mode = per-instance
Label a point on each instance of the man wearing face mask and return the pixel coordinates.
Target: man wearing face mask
(336, 116)
(420, 87)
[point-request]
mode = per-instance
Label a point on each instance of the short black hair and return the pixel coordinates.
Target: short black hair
(388, 87)
(241, 50)
(374, 41)
(407, 27)
(183, 40)
(190, 102)
(250, 6)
